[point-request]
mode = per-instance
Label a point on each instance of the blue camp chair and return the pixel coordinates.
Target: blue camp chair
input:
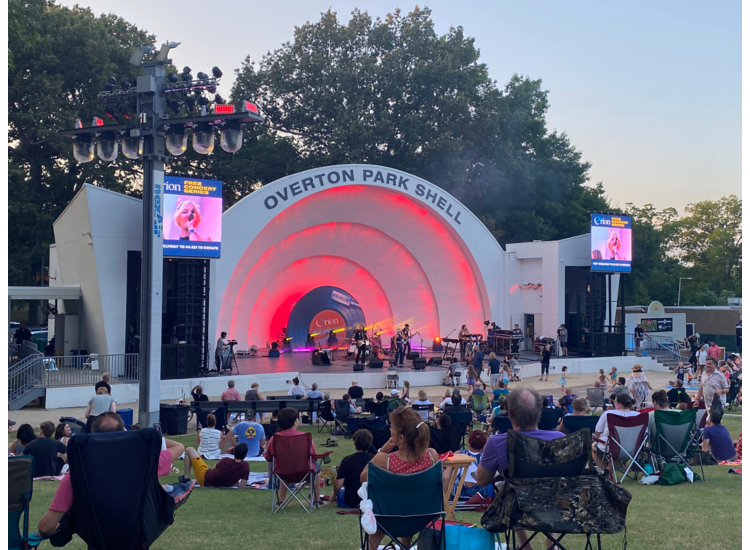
(129, 514)
(574, 423)
(501, 424)
(406, 505)
(550, 418)
(20, 485)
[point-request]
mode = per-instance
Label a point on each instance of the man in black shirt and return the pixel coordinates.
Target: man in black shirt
(44, 449)
(21, 335)
(348, 473)
(104, 383)
(674, 393)
(355, 392)
(638, 333)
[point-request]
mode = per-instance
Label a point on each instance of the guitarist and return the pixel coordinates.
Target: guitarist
(407, 340)
(360, 337)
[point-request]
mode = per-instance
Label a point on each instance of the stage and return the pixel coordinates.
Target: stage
(275, 375)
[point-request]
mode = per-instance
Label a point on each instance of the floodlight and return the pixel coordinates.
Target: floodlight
(106, 146)
(176, 139)
(203, 138)
(231, 136)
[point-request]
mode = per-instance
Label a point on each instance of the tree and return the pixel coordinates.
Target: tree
(54, 80)
(392, 92)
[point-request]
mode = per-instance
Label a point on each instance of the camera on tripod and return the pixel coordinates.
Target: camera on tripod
(232, 343)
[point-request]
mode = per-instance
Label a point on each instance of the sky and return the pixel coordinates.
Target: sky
(649, 92)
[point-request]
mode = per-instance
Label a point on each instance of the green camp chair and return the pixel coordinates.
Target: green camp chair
(676, 438)
(479, 403)
(20, 485)
(406, 505)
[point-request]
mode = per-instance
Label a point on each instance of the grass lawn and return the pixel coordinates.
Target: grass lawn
(700, 516)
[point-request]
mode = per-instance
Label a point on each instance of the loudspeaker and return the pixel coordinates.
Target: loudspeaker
(274, 353)
(376, 364)
(358, 367)
(411, 356)
(420, 363)
(188, 360)
(435, 361)
(168, 356)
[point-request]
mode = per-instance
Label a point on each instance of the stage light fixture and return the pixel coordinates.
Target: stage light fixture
(203, 138)
(132, 147)
(203, 101)
(110, 112)
(216, 71)
(231, 136)
(218, 99)
(174, 105)
(124, 83)
(202, 76)
(110, 85)
(83, 148)
(186, 76)
(106, 146)
(437, 344)
(172, 77)
(176, 139)
(211, 89)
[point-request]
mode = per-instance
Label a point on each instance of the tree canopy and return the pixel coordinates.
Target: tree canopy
(386, 91)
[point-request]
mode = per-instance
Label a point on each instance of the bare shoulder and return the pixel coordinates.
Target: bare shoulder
(433, 455)
(380, 459)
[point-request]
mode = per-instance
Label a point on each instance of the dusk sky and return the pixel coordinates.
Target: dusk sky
(650, 92)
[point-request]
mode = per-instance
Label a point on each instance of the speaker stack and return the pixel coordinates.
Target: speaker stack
(435, 361)
(419, 363)
(376, 364)
(358, 367)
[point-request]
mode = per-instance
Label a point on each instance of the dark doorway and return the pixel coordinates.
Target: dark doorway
(528, 330)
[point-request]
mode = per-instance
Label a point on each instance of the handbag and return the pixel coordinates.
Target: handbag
(457, 537)
(586, 504)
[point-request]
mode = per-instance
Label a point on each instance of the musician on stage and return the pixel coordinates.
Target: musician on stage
(464, 341)
(516, 340)
(360, 339)
(407, 339)
(399, 358)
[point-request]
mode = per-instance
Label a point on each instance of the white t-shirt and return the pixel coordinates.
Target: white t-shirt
(702, 357)
(296, 390)
(602, 428)
(448, 401)
(210, 438)
(423, 414)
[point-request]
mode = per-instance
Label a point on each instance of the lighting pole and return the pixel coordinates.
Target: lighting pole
(679, 288)
(150, 135)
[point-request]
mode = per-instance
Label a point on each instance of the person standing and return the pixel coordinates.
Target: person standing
(360, 339)
(464, 341)
(714, 351)
(407, 339)
(102, 402)
(21, 335)
(563, 380)
(478, 360)
(681, 371)
(399, 358)
(712, 383)
(638, 333)
(546, 355)
(702, 355)
(104, 383)
(515, 340)
(494, 368)
(221, 346)
(562, 335)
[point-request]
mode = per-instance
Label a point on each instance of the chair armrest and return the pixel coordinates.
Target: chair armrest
(597, 440)
(322, 457)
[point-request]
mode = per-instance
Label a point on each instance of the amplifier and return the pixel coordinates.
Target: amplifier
(420, 363)
(358, 367)
(435, 361)
(375, 364)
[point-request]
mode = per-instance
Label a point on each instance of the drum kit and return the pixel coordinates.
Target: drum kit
(373, 345)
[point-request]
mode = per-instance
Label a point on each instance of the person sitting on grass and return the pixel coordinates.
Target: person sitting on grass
(288, 422)
(228, 472)
(500, 409)
(209, 440)
(347, 476)
(251, 434)
(674, 394)
(412, 437)
(623, 407)
(272, 425)
(62, 502)
(24, 436)
(445, 425)
(45, 450)
(62, 434)
(716, 437)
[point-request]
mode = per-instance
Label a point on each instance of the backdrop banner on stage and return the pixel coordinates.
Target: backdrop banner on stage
(192, 209)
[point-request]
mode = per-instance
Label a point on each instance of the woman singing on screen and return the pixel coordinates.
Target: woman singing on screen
(187, 216)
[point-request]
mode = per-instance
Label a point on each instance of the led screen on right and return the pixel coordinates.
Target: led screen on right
(611, 243)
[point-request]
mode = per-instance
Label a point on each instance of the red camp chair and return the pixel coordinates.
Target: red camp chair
(294, 465)
(627, 438)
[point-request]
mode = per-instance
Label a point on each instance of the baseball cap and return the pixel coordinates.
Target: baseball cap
(394, 392)
(11, 423)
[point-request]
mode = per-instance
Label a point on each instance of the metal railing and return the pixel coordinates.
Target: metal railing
(657, 345)
(24, 376)
(79, 370)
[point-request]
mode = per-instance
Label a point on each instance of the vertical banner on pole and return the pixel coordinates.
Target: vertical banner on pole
(155, 313)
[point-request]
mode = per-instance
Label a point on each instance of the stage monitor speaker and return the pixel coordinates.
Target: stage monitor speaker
(376, 364)
(168, 362)
(274, 353)
(435, 361)
(411, 356)
(420, 363)
(358, 367)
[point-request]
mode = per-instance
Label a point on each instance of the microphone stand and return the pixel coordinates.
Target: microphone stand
(421, 342)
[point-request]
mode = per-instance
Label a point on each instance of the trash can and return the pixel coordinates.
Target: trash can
(174, 419)
(126, 415)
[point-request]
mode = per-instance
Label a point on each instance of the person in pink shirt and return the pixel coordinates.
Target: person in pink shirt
(230, 394)
(62, 502)
(714, 351)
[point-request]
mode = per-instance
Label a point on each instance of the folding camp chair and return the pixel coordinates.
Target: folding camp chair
(555, 495)
(572, 424)
(76, 426)
(734, 389)
(293, 466)
(595, 397)
(129, 514)
(501, 424)
(20, 485)
(478, 404)
(380, 436)
(429, 408)
(439, 441)
(342, 416)
(326, 415)
(550, 419)
(460, 421)
(406, 505)
(627, 439)
(378, 409)
(676, 438)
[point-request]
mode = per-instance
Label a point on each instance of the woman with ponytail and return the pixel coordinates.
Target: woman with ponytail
(412, 437)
